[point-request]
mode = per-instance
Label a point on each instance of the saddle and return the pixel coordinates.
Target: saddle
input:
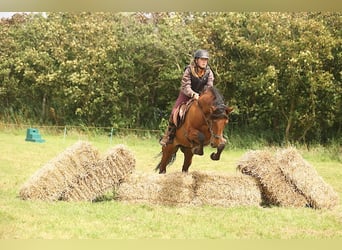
(178, 116)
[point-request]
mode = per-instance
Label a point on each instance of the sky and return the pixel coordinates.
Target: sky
(7, 14)
(10, 14)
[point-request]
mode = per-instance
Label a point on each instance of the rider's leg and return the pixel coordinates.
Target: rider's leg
(169, 135)
(170, 132)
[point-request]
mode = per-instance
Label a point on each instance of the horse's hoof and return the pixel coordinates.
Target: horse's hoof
(194, 151)
(197, 152)
(215, 157)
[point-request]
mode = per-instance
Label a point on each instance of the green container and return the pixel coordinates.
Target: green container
(32, 134)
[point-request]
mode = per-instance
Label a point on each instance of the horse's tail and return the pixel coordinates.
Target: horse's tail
(172, 160)
(158, 166)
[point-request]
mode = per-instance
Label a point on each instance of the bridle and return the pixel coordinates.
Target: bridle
(209, 122)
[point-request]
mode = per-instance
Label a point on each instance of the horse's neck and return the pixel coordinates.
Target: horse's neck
(205, 105)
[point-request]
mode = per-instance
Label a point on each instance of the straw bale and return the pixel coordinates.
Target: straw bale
(49, 181)
(306, 179)
(276, 190)
(226, 190)
(194, 188)
(116, 165)
(170, 189)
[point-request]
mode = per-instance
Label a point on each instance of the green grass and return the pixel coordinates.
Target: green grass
(111, 219)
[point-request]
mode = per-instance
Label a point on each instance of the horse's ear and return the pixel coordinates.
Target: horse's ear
(229, 110)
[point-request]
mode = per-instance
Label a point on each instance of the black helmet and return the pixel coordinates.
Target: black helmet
(201, 53)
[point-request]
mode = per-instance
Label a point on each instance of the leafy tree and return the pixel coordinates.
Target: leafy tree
(281, 71)
(151, 58)
(273, 70)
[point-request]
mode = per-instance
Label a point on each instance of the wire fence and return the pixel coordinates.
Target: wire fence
(90, 130)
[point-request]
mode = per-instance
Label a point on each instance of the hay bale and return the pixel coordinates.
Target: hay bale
(56, 175)
(305, 178)
(225, 190)
(194, 188)
(170, 189)
(276, 190)
(116, 165)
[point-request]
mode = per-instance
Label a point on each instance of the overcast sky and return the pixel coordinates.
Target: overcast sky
(7, 14)
(10, 14)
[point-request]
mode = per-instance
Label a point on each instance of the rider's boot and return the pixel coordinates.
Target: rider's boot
(169, 135)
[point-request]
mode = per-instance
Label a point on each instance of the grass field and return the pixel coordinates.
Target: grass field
(114, 220)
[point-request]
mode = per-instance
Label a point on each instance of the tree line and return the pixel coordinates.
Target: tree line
(280, 71)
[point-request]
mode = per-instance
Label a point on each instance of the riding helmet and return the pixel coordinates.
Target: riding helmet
(201, 53)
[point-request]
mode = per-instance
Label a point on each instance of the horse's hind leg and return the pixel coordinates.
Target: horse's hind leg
(187, 158)
(168, 152)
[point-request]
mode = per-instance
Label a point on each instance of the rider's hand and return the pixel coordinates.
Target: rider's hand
(195, 96)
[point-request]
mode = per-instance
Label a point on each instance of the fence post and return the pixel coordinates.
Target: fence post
(111, 135)
(65, 130)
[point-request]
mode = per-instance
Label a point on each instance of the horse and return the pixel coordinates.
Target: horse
(203, 124)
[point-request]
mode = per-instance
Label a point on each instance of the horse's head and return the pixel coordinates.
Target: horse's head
(217, 117)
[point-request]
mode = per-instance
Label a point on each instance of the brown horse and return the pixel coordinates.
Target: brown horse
(203, 124)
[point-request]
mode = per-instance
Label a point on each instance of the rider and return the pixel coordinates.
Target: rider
(196, 76)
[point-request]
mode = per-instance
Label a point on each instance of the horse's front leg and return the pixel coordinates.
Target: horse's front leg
(187, 159)
(199, 139)
(216, 156)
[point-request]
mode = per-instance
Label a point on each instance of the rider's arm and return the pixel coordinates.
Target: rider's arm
(210, 82)
(186, 83)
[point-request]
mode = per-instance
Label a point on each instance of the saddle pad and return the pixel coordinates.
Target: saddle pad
(178, 116)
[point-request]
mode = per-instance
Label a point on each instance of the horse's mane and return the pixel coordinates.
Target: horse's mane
(220, 110)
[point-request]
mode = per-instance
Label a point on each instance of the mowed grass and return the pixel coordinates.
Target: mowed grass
(111, 219)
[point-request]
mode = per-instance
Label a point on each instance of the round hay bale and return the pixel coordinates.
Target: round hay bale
(170, 189)
(116, 165)
(276, 190)
(49, 182)
(305, 178)
(225, 190)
